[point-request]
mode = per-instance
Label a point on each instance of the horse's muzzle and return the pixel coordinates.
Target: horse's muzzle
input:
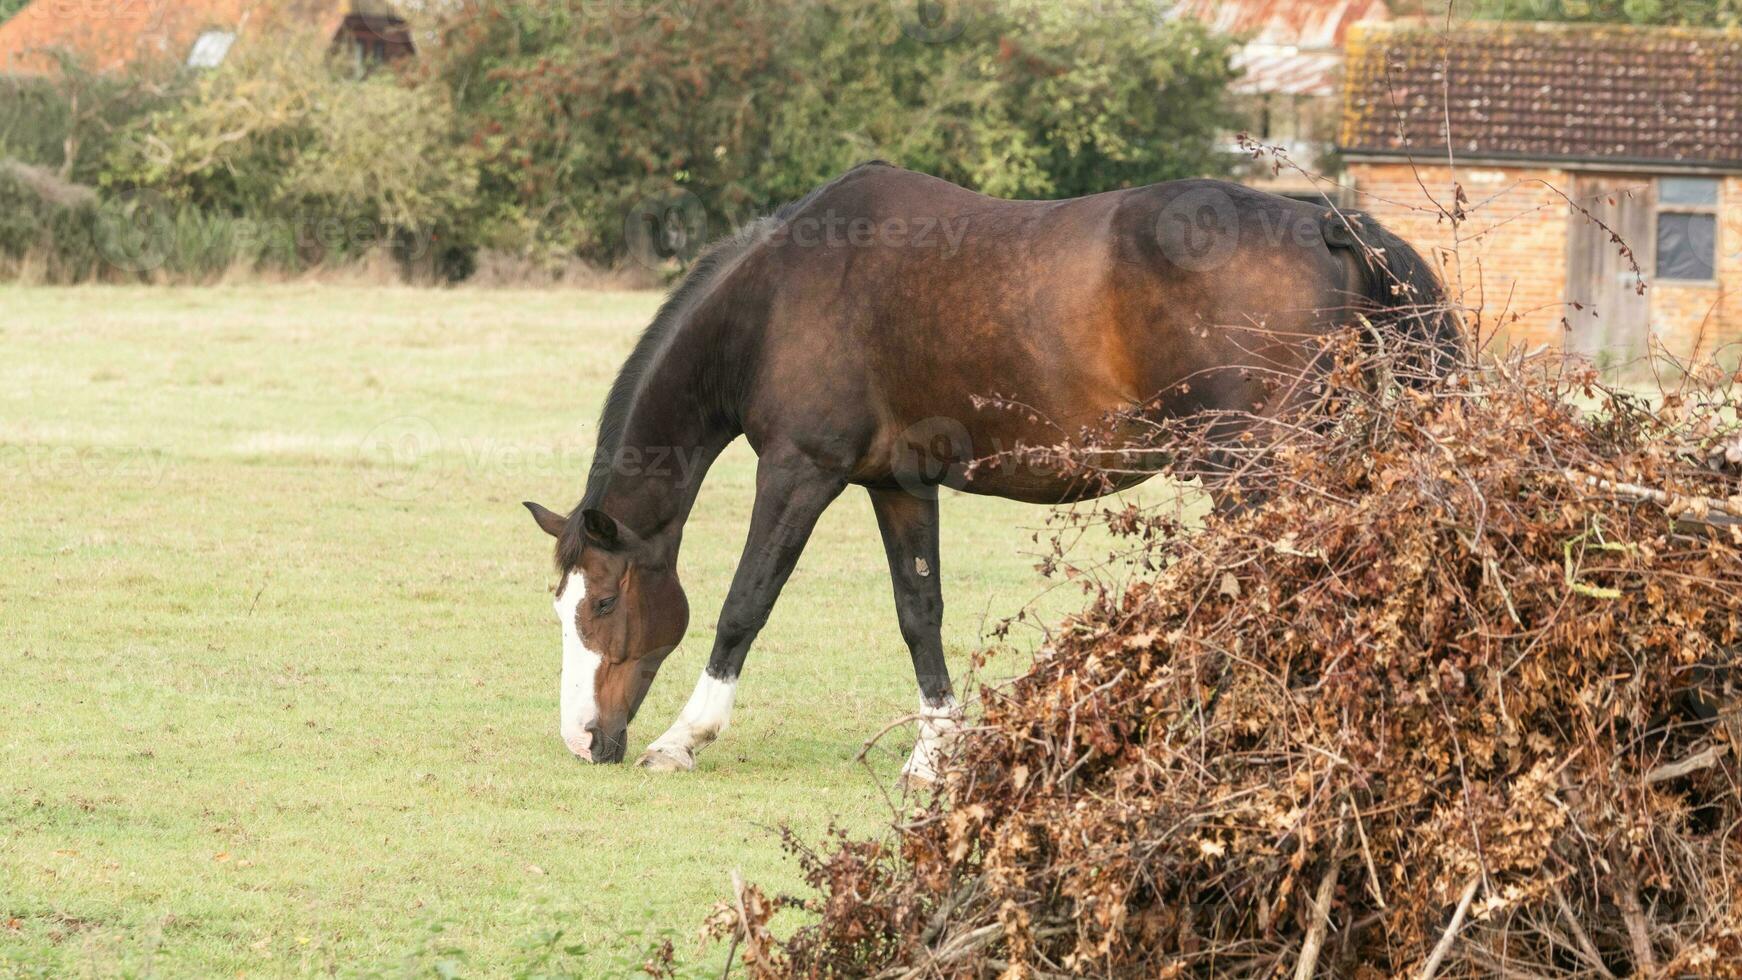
(595, 746)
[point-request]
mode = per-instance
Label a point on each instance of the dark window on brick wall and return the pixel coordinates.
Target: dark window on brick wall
(1687, 228)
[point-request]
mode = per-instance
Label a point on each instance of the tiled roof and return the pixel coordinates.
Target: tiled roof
(1546, 92)
(109, 34)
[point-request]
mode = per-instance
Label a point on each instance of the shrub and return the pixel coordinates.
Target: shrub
(1090, 101)
(70, 124)
(42, 219)
(33, 120)
(65, 233)
(1689, 13)
(580, 109)
(1463, 699)
(311, 163)
(536, 128)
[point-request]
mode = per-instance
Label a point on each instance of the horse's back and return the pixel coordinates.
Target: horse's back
(895, 304)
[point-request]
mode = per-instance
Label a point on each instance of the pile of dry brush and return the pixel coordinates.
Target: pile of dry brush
(1461, 699)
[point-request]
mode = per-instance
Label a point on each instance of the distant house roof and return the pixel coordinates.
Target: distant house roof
(1293, 47)
(1596, 94)
(113, 35)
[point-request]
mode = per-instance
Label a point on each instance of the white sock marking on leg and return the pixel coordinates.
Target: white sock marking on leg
(703, 718)
(937, 724)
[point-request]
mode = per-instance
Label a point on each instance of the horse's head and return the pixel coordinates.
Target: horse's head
(622, 612)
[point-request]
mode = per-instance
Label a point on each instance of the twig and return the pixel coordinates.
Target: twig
(731, 951)
(1638, 935)
(886, 729)
(961, 946)
(1586, 947)
(1367, 856)
(942, 917)
(258, 593)
(1445, 943)
(1687, 508)
(1704, 759)
(1315, 937)
(743, 922)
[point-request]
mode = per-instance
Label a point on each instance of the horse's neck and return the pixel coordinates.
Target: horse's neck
(672, 435)
(651, 487)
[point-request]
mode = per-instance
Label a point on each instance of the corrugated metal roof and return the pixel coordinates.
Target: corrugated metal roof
(1286, 71)
(1293, 47)
(1305, 24)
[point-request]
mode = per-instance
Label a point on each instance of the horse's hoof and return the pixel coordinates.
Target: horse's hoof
(913, 781)
(662, 760)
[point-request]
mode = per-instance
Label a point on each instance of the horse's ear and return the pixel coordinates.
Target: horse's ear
(602, 529)
(550, 520)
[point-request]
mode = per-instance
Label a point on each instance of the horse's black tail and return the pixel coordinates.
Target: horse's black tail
(1404, 297)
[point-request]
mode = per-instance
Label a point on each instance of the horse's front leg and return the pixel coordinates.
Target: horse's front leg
(909, 522)
(792, 491)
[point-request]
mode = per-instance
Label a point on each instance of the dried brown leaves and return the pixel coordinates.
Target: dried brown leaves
(1485, 710)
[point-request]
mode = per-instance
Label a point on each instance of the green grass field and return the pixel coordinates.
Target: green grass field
(280, 670)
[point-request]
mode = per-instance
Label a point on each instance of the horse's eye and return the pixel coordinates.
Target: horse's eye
(605, 605)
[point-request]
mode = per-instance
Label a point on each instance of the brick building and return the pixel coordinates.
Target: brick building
(1639, 127)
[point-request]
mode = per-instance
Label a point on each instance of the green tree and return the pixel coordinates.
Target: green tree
(1685, 13)
(581, 108)
(1033, 98)
(10, 7)
(1094, 95)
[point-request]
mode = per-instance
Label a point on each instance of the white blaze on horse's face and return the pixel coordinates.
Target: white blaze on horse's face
(579, 701)
(622, 612)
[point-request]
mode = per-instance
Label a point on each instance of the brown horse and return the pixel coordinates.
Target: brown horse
(852, 337)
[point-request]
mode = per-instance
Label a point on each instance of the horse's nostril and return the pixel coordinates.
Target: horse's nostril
(591, 744)
(610, 748)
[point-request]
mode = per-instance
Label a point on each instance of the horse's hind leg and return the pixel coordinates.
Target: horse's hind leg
(791, 493)
(909, 522)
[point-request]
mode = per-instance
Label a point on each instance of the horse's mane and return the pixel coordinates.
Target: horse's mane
(653, 342)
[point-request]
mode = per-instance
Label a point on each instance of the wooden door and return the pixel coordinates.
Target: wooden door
(1614, 323)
